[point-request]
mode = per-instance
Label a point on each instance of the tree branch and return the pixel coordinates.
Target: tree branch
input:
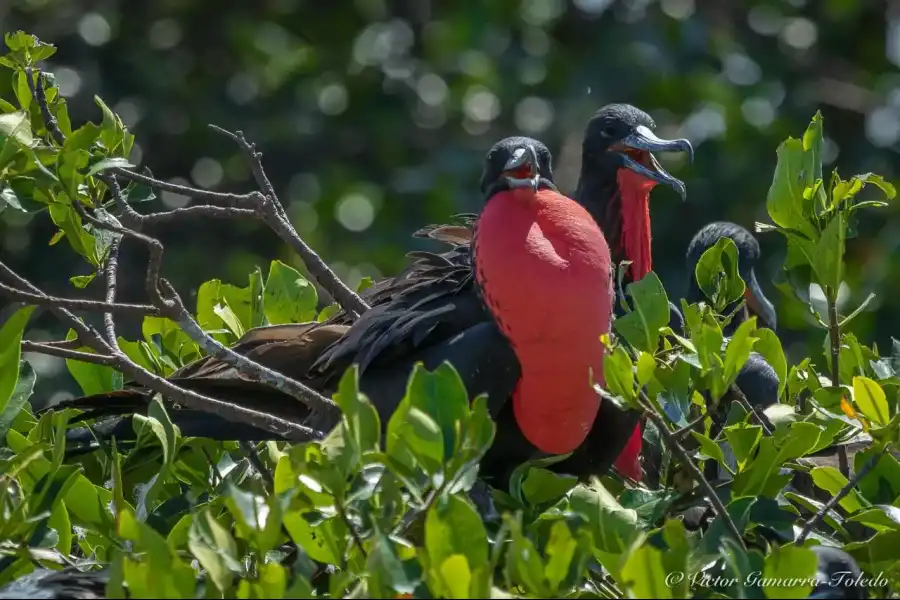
(89, 357)
(77, 304)
(696, 474)
(91, 338)
(834, 333)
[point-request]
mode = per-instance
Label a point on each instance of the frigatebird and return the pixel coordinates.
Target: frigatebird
(756, 302)
(432, 313)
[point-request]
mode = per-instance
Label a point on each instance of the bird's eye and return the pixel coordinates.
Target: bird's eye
(608, 131)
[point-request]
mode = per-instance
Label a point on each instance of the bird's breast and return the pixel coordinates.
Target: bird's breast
(543, 266)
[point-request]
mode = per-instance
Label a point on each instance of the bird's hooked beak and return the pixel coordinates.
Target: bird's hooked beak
(636, 151)
(758, 304)
(521, 170)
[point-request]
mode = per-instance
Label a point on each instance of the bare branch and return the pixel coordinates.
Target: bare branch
(199, 210)
(696, 474)
(77, 304)
(112, 273)
(817, 518)
(52, 350)
(250, 200)
(275, 217)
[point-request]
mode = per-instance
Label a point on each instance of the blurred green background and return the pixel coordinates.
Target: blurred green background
(374, 116)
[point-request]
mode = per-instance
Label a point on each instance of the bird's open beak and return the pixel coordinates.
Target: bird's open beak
(636, 150)
(758, 304)
(521, 170)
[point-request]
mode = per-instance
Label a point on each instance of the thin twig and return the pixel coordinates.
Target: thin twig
(94, 340)
(753, 410)
(810, 525)
(250, 200)
(834, 333)
(696, 474)
(199, 210)
(275, 217)
(88, 357)
(77, 304)
(256, 461)
(342, 513)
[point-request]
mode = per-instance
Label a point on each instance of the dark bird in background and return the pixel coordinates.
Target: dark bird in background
(434, 312)
(70, 583)
(756, 302)
(838, 575)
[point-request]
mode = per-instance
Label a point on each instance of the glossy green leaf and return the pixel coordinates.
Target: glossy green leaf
(871, 399)
(717, 274)
(832, 481)
(11, 353)
(288, 297)
(644, 574)
(789, 572)
(618, 373)
(650, 313)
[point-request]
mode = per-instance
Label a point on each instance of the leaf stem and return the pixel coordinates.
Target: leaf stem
(834, 333)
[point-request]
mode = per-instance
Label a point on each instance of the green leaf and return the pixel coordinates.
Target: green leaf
(784, 202)
(769, 347)
(387, 573)
(832, 481)
(709, 448)
(17, 126)
(618, 373)
(19, 397)
(788, 565)
(361, 417)
(644, 574)
(224, 312)
(11, 353)
(524, 566)
(743, 439)
(92, 378)
(324, 542)
(541, 486)
(761, 477)
(288, 297)
(21, 89)
(112, 131)
(612, 526)
(82, 281)
(215, 549)
(646, 367)
(650, 313)
(849, 189)
(871, 399)
(453, 532)
(717, 274)
(739, 348)
(829, 256)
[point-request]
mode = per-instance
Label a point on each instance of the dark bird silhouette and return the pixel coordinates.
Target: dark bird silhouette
(838, 575)
(435, 311)
(46, 584)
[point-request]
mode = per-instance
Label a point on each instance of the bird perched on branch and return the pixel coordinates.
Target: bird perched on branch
(442, 308)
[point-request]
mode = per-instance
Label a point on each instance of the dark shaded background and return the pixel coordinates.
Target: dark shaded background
(374, 115)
